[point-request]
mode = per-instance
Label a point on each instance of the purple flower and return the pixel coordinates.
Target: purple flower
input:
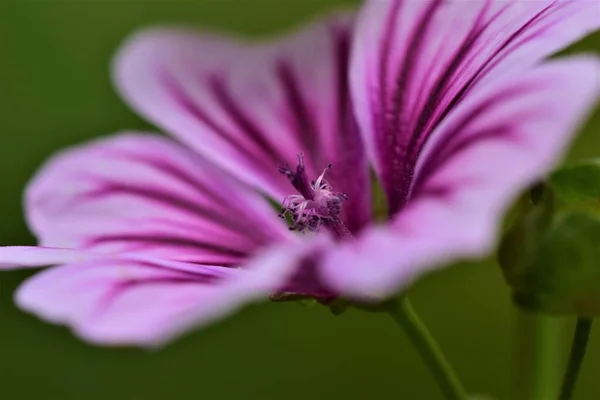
(451, 102)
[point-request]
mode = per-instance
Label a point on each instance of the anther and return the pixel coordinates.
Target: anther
(317, 205)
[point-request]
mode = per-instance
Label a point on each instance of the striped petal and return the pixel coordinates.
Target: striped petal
(148, 302)
(144, 194)
(414, 61)
(16, 257)
(250, 107)
(495, 144)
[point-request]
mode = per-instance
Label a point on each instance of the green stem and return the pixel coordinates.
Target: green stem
(523, 351)
(547, 336)
(403, 313)
(580, 342)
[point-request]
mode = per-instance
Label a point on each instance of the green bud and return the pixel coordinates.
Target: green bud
(550, 254)
(564, 277)
(531, 218)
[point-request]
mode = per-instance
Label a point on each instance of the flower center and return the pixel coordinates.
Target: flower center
(317, 204)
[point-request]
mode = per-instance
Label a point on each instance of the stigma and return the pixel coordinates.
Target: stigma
(316, 204)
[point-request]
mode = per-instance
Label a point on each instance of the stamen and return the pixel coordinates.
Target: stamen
(298, 179)
(317, 205)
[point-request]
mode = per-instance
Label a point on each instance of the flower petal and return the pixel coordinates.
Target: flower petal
(14, 257)
(250, 107)
(147, 302)
(137, 193)
(414, 61)
(491, 147)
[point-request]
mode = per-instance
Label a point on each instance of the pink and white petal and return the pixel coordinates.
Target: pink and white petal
(148, 302)
(414, 61)
(490, 148)
(250, 107)
(141, 193)
(15, 257)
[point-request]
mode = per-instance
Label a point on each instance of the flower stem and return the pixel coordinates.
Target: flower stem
(546, 359)
(580, 342)
(522, 355)
(403, 313)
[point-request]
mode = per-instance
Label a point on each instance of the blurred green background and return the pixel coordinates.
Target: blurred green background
(55, 91)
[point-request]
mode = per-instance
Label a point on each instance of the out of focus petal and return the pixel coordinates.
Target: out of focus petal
(488, 150)
(415, 61)
(141, 193)
(148, 302)
(15, 257)
(250, 107)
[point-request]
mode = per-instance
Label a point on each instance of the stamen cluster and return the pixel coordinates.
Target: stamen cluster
(316, 204)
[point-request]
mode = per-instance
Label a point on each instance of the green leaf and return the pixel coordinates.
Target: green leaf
(564, 277)
(578, 185)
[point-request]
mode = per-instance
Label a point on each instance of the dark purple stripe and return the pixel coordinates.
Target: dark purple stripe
(192, 230)
(436, 192)
(492, 61)
(116, 262)
(405, 72)
(519, 39)
(305, 127)
(445, 190)
(495, 133)
(341, 71)
(159, 196)
(163, 239)
(200, 277)
(420, 132)
(450, 144)
(528, 25)
(350, 174)
(244, 123)
(226, 204)
(170, 170)
(380, 111)
(442, 82)
(396, 131)
(118, 289)
(487, 66)
(452, 136)
(423, 92)
(424, 124)
(188, 104)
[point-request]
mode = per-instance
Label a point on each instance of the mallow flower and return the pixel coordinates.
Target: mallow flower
(452, 106)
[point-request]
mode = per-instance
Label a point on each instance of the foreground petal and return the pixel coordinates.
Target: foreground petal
(251, 107)
(139, 193)
(15, 257)
(414, 61)
(493, 146)
(147, 302)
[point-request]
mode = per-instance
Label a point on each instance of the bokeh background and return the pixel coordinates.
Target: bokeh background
(55, 91)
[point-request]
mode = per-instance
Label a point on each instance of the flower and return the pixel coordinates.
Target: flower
(452, 103)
